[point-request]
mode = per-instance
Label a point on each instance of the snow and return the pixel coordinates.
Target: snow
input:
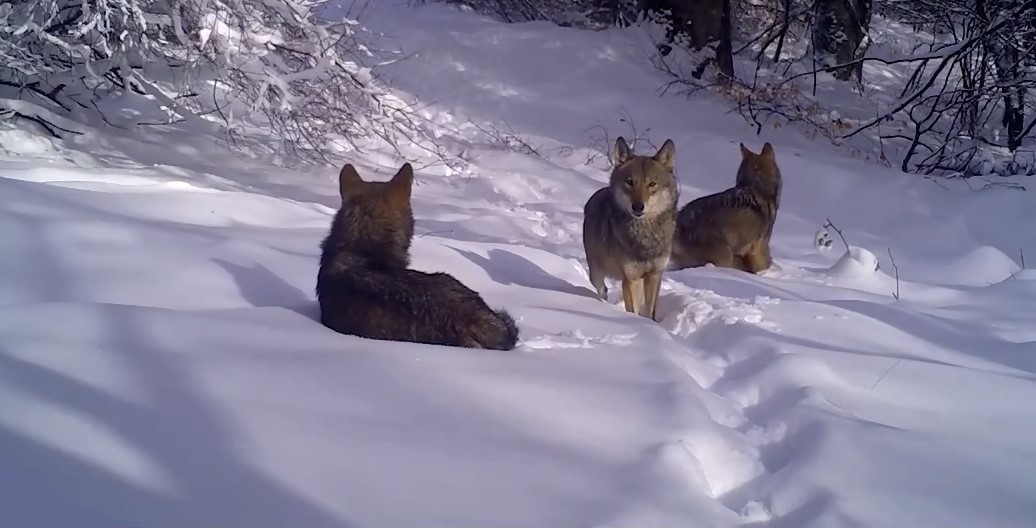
(161, 362)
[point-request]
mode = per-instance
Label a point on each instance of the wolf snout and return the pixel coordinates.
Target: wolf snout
(637, 209)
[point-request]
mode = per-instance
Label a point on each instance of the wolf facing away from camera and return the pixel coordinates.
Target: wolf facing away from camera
(628, 226)
(732, 228)
(365, 289)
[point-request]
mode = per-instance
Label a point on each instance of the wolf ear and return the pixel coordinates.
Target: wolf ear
(349, 181)
(401, 184)
(623, 153)
(667, 154)
(745, 153)
(768, 151)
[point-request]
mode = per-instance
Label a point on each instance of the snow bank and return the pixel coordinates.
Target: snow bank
(160, 361)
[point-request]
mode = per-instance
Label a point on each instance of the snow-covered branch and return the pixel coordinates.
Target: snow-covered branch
(281, 65)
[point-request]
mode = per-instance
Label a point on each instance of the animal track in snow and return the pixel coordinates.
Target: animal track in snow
(683, 313)
(575, 339)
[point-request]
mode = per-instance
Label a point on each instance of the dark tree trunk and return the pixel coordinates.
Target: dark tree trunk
(702, 22)
(1008, 59)
(839, 36)
(1012, 85)
(725, 48)
(706, 17)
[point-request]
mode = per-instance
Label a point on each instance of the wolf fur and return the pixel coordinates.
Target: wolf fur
(628, 226)
(365, 289)
(732, 228)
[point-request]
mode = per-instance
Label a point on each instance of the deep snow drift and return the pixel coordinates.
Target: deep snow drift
(160, 362)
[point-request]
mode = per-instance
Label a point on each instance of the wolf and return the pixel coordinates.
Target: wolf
(732, 228)
(365, 289)
(628, 226)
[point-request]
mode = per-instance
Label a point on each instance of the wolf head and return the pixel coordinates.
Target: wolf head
(375, 219)
(644, 186)
(759, 172)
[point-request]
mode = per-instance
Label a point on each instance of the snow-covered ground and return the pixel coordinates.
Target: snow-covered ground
(160, 362)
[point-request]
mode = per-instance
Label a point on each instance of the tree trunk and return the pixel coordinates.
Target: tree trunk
(725, 48)
(706, 18)
(1009, 64)
(704, 22)
(840, 36)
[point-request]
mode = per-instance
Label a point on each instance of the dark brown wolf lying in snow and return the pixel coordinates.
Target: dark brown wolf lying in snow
(365, 289)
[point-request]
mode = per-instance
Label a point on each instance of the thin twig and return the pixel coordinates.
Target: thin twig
(508, 139)
(886, 373)
(444, 231)
(603, 142)
(839, 231)
(895, 269)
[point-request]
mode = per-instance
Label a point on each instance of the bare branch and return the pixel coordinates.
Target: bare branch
(830, 225)
(895, 268)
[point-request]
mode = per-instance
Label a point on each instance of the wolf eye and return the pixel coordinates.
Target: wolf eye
(629, 181)
(652, 184)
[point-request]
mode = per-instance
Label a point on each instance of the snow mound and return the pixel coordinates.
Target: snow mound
(1025, 275)
(856, 263)
(980, 266)
(18, 141)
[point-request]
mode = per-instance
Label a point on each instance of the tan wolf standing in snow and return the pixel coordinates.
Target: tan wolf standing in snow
(628, 226)
(732, 228)
(364, 287)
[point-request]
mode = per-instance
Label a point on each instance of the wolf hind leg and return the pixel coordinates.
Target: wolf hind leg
(741, 263)
(721, 256)
(686, 254)
(758, 258)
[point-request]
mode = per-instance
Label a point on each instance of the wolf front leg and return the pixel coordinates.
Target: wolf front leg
(633, 294)
(652, 286)
(627, 294)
